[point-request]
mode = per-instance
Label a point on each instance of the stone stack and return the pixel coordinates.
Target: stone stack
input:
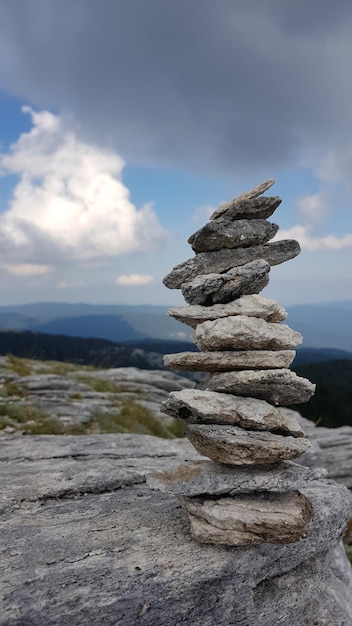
(249, 491)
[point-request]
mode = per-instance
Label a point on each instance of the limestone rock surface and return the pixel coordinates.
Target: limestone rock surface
(78, 549)
(72, 401)
(277, 386)
(208, 407)
(235, 446)
(196, 478)
(230, 360)
(242, 332)
(332, 449)
(239, 234)
(223, 260)
(252, 306)
(247, 519)
(211, 289)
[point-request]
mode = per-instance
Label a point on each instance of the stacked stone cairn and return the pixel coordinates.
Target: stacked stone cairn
(249, 490)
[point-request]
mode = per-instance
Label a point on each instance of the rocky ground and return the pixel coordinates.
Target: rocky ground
(38, 397)
(85, 540)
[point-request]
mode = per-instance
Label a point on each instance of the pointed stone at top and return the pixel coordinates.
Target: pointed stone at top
(245, 199)
(257, 191)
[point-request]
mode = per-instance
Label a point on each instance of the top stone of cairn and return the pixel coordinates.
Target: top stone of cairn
(237, 235)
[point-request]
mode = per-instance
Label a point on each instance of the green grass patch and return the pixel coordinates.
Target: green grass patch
(103, 385)
(20, 366)
(75, 397)
(28, 419)
(10, 388)
(61, 368)
(131, 418)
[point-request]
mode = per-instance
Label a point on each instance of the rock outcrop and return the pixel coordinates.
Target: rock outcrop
(72, 396)
(84, 540)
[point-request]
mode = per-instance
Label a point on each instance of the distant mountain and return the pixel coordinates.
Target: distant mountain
(111, 327)
(327, 325)
(97, 352)
(115, 322)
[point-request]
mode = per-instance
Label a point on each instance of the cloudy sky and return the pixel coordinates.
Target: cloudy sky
(124, 123)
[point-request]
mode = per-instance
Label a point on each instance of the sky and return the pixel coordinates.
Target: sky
(125, 123)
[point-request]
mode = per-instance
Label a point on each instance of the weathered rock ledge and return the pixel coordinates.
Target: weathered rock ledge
(85, 541)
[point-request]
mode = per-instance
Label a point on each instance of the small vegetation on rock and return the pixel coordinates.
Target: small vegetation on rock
(103, 385)
(131, 418)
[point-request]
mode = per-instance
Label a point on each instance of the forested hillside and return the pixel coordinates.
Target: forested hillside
(332, 403)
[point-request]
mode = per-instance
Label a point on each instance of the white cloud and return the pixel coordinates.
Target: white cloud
(308, 242)
(133, 280)
(26, 269)
(314, 208)
(70, 202)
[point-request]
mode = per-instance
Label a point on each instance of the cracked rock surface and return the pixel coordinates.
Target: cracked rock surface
(88, 542)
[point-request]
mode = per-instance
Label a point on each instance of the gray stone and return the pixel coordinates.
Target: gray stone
(256, 208)
(197, 478)
(228, 361)
(223, 260)
(277, 386)
(245, 333)
(251, 305)
(247, 195)
(78, 550)
(235, 446)
(221, 288)
(209, 407)
(332, 447)
(249, 519)
(239, 234)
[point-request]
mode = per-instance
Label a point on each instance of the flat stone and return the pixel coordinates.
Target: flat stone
(245, 333)
(251, 305)
(197, 478)
(229, 361)
(235, 446)
(221, 288)
(223, 260)
(239, 234)
(247, 195)
(277, 386)
(256, 208)
(209, 407)
(249, 519)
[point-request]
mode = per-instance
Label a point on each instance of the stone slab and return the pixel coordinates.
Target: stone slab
(249, 519)
(212, 289)
(277, 386)
(241, 233)
(209, 407)
(196, 478)
(247, 195)
(223, 260)
(235, 446)
(230, 360)
(240, 332)
(252, 305)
